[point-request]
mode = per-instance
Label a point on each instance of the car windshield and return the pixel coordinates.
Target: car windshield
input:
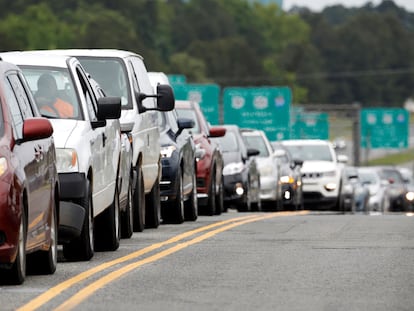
(54, 92)
(368, 177)
(310, 152)
(111, 75)
(190, 114)
(228, 143)
(256, 142)
(391, 174)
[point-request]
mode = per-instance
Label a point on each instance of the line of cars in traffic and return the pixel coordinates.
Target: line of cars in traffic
(94, 148)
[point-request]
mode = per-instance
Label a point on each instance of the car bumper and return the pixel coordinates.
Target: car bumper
(169, 180)
(235, 187)
(268, 188)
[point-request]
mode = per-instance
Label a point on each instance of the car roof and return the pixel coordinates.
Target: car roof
(305, 142)
(35, 58)
(93, 52)
(252, 132)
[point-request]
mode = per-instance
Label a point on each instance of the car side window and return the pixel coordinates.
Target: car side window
(15, 113)
(88, 95)
(143, 82)
(21, 95)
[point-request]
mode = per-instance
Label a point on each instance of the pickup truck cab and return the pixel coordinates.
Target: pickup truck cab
(123, 74)
(87, 141)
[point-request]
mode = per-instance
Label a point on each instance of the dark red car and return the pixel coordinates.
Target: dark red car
(209, 158)
(29, 189)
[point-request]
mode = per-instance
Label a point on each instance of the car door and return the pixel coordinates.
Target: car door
(35, 158)
(97, 139)
(149, 119)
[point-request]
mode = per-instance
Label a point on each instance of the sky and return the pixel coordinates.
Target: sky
(318, 5)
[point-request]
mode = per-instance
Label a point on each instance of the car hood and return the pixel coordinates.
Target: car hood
(318, 166)
(63, 130)
(231, 157)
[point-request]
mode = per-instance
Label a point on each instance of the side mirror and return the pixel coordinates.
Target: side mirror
(184, 123)
(251, 152)
(165, 97)
(297, 162)
(109, 108)
(217, 131)
(37, 128)
(342, 158)
(279, 153)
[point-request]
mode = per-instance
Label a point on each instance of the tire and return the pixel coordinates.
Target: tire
(246, 205)
(139, 202)
(45, 262)
(173, 212)
(191, 205)
(220, 199)
(211, 204)
(17, 274)
(82, 247)
(153, 206)
(107, 227)
(127, 220)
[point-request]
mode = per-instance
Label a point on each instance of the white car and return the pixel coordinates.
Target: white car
(123, 74)
(321, 171)
(87, 146)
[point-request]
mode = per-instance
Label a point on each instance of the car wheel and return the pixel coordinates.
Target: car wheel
(153, 205)
(107, 228)
(220, 199)
(174, 210)
(127, 220)
(191, 205)
(82, 247)
(211, 203)
(45, 262)
(17, 274)
(139, 202)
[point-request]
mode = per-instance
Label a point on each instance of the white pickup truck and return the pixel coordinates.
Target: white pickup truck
(87, 139)
(123, 74)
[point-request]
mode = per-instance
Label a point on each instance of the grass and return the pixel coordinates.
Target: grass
(394, 159)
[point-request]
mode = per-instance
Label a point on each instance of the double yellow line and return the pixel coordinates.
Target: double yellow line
(88, 290)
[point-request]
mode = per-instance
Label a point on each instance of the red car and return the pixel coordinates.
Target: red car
(209, 159)
(29, 188)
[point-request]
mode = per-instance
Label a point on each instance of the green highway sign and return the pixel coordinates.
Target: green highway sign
(384, 128)
(310, 125)
(207, 95)
(265, 108)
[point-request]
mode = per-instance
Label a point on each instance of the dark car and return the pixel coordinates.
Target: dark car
(240, 173)
(209, 158)
(396, 189)
(290, 177)
(29, 187)
(178, 186)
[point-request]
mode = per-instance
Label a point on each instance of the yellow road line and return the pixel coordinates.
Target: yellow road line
(58, 289)
(87, 291)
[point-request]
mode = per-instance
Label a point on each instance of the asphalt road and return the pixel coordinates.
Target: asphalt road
(240, 261)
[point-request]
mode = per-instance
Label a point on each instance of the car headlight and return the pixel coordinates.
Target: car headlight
(233, 168)
(330, 186)
(3, 165)
(409, 196)
(67, 160)
(167, 151)
(287, 179)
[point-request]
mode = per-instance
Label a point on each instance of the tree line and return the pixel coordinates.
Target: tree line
(337, 56)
